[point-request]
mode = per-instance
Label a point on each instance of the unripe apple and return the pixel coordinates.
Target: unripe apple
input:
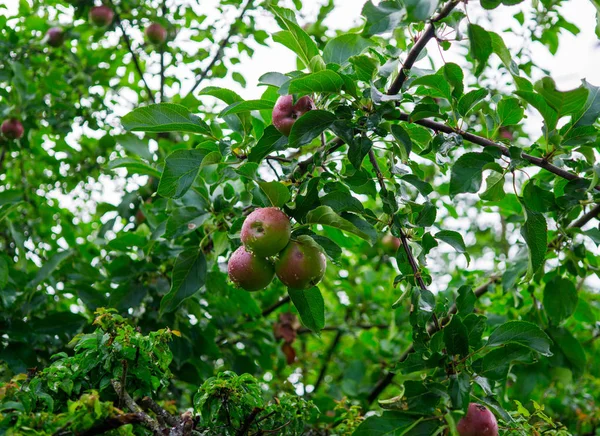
(266, 231)
(102, 16)
(56, 36)
(285, 112)
(156, 33)
(505, 134)
(478, 421)
(248, 271)
(390, 244)
(12, 128)
(301, 265)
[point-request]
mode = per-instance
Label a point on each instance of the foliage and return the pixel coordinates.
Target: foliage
(125, 198)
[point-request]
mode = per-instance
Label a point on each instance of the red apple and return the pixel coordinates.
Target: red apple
(301, 266)
(55, 36)
(156, 33)
(248, 271)
(266, 231)
(478, 421)
(12, 129)
(102, 16)
(285, 112)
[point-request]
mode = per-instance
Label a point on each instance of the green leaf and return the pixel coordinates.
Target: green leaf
(460, 390)
(510, 112)
(591, 110)
(465, 302)
(164, 117)
(404, 140)
(495, 364)
(393, 423)
(277, 192)
(523, 333)
(310, 306)
(382, 18)
(309, 126)
(225, 95)
(294, 38)
(340, 49)
(466, 173)
(127, 240)
(560, 299)
(570, 347)
(420, 10)
(494, 187)
(499, 47)
(365, 67)
(325, 216)
(537, 101)
(189, 275)
(437, 83)
(321, 81)
(8, 208)
(535, 233)
(357, 150)
(470, 99)
(3, 273)
(456, 337)
(181, 169)
(134, 166)
(271, 140)
(247, 106)
(49, 267)
(564, 103)
(490, 4)
(455, 240)
(480, 46)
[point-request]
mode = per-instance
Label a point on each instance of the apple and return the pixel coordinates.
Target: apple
(266, 231)
(478, 421)
(156, 33)
(55, 36)
(301, 265)
(390, 244)
(102, 16)
(285, 112)
(248, 271)
(12, 128)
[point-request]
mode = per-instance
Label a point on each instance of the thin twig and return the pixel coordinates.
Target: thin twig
(220, 49)
(416, 50)
(484, 142)
(275, 306)
(327, 360)
(134, 56)
(162, 58)
(409, 254)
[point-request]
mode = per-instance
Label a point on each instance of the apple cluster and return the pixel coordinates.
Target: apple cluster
(268, 250)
